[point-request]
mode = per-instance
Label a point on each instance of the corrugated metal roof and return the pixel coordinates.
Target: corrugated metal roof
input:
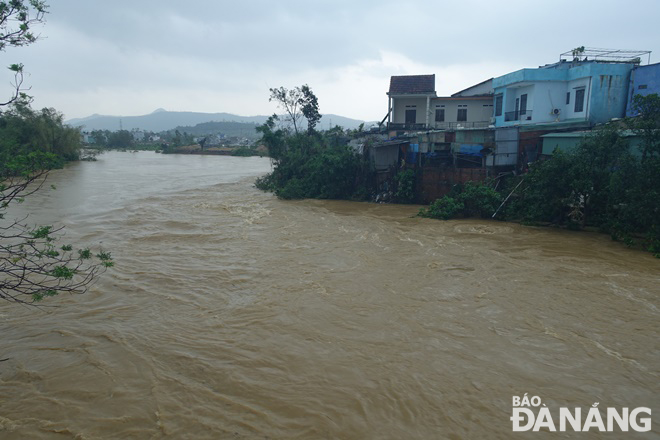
(578, 134)
(412, 84)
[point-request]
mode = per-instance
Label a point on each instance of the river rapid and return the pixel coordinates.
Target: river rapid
(233, 315)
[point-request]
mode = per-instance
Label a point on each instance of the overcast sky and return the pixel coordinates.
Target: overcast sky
(126, 58)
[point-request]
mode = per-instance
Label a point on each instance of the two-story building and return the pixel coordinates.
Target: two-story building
(414, 105)
(584, 88)
(589, 91)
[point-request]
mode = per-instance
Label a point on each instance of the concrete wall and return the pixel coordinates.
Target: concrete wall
(399, 107)
(609, 92)
(644, 80)
(478, 110)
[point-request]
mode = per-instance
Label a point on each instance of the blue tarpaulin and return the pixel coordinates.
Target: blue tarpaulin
(471, 149)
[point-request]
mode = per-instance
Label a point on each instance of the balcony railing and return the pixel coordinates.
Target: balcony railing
(519, 115)
(439, 125)
(459, 125)
(406, 126)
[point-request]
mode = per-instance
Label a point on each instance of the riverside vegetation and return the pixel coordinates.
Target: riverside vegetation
(308, 163)
(602, 184)
(33, 263)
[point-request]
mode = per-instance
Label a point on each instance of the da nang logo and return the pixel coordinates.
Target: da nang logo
(529, 413)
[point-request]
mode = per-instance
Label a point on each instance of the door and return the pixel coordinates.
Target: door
(411, 116)
(516, 115)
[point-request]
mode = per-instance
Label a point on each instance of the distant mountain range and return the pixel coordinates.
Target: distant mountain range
(162, 120)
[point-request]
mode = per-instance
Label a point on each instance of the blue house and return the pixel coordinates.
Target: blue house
(587, 91)
(644, 80)
(585, 87)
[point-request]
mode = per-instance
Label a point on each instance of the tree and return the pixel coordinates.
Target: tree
(120, 139)
(289, 101)
(17, 19)
(23, 130)
(297, 103)
(311, 164)
(32, 265)
(273, 138)
(647, 123)
(310, 108)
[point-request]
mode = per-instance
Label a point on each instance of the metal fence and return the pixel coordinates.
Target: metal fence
(519, 115)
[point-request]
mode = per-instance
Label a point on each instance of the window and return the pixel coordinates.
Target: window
(641, 87)
(568, 98)
(523, 104)
(461, 116)
(439, 115)
(498, 105)
(579, 100)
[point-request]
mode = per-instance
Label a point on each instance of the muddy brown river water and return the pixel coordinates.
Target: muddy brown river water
(233, 315)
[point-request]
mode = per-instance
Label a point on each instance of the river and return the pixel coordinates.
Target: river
(231, 314)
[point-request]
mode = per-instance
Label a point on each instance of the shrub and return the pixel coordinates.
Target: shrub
(444, 208)
(479, 200)
(474, 199)
(405, 186)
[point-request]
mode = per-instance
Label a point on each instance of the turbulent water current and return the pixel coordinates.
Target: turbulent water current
(231, 314)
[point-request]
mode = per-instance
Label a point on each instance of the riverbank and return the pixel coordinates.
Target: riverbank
(217, 151)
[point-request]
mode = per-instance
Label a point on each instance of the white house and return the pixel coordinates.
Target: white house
(414, 105)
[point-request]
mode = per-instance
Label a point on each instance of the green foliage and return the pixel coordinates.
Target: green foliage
(600, 184)
(24, 131)
(647, 123)
(575, 188)
(479, 199)
(444, 208)
(33, 266)
(63, 272)
(474, 199)
(120, 139)
(297, 103)
(245, 152)
(310, 108)
(405, 186)
(309, 164)
(308, 168)
(32, 143)
(17, 18)
(106, 259)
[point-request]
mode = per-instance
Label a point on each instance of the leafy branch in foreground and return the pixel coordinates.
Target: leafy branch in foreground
(17, 20)
(33, 265)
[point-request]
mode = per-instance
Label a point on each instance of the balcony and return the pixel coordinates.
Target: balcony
(520, 115)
